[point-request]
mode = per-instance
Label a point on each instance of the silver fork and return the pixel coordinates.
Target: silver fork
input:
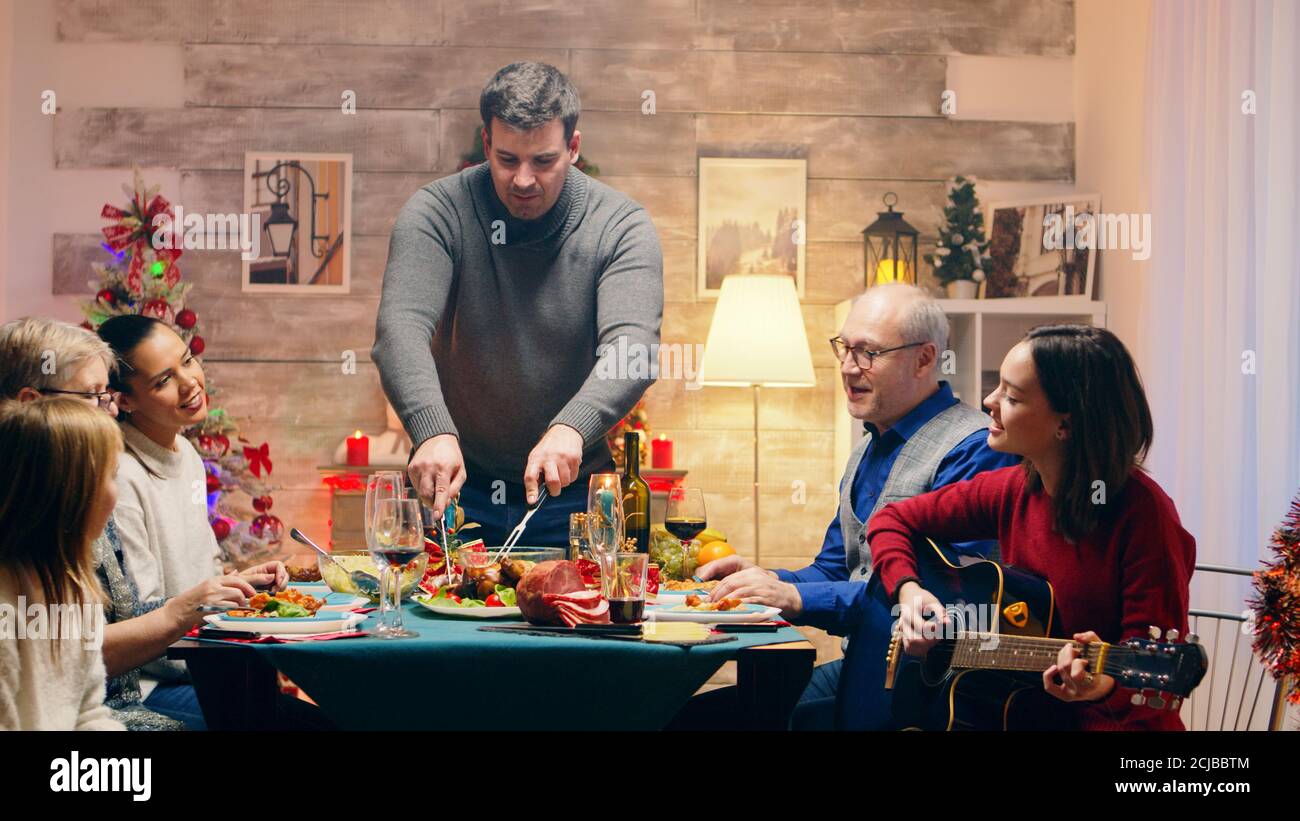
(513, 538)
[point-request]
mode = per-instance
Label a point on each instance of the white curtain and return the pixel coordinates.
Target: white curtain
(1224, 294)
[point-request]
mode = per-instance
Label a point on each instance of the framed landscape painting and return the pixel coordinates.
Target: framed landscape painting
(752, 218)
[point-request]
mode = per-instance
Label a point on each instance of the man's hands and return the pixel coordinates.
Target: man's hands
(754, 585)
(723, 567)
(437, 471)
(920, 618)
(557, 458)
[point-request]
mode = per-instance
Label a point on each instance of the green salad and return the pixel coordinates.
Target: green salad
(503, 597)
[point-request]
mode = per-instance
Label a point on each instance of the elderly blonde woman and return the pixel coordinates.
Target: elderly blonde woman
(46, 358)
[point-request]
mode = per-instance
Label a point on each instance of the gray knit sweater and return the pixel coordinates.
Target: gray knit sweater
(497, 342)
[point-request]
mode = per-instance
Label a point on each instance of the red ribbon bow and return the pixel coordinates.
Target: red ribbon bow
(257, 457)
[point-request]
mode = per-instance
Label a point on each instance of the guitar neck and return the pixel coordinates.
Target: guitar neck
(1030, 654)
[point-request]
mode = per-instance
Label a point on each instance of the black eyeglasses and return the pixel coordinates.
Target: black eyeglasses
(862, 357)
(102, 398)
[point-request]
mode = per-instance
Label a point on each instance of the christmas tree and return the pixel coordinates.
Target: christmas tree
(1276, 603)
(142, 279)
(636, 420)
(961, 251)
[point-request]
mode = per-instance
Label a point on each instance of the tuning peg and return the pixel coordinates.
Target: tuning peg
(1154, 632)
(1156, 702)
(1137, 700)
(1175, 704)
(1172, 635)
(1192, 638)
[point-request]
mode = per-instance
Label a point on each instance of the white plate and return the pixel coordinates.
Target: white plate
(471, 612)
(285, 626)
(355, 601)
(666, 613)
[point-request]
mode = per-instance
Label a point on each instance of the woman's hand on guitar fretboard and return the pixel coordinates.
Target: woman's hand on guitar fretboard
(1077, 682)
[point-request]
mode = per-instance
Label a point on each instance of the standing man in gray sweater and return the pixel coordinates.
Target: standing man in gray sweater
(505, 284)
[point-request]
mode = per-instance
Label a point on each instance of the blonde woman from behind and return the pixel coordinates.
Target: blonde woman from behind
(56, 493)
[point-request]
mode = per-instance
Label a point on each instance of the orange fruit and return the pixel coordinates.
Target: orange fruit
(713, 550)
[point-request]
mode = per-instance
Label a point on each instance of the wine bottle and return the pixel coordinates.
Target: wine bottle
(636, 494)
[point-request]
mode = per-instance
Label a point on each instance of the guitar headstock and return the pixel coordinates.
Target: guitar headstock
(1162, 672)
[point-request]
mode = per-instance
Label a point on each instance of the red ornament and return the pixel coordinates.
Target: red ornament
(88, 326)
(107, 297)
(186, 319)
(214, 484)
(197, 345)
(262, 504)
(158, 309)
(220, 528)
(267, 528)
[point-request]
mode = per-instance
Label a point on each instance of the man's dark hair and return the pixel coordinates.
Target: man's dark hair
(525, 96)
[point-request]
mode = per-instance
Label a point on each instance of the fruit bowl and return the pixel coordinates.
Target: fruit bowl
(339, 580)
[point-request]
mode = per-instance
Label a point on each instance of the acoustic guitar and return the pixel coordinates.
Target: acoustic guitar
(986, 671)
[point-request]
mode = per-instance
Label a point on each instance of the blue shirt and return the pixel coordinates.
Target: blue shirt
(832, 602)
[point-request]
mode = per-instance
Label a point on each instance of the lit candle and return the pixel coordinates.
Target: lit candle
(661, 453)
(358, 450)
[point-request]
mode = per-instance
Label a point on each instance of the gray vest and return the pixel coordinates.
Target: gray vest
(911, 475)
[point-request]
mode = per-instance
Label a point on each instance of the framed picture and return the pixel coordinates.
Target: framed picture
(752, 219)
(1044, 247)
(302, 204)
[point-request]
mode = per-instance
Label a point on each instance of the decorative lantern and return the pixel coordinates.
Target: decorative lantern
(889, 247)
(281, 230)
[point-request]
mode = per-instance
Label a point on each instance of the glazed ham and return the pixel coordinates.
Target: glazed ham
(553, 593)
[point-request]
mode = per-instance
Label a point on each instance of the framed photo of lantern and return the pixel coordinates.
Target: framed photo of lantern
(1042, 247)
(302, 207)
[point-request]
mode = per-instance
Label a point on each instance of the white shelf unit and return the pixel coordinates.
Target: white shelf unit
(982, 331)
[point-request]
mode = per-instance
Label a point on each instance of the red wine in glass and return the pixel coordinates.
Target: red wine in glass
(685, 529)
(626, 611)
(398, 555)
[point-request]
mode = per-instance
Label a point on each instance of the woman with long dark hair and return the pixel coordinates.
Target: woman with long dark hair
(162, 511)
(1079, 511)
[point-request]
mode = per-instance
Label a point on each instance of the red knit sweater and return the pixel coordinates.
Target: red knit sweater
(1133, 571)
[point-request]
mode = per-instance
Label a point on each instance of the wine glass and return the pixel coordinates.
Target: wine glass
(604, 516)
(685, 518)
(383, 484)
(398, 538)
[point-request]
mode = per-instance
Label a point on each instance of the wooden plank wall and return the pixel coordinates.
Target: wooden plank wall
(852, 87)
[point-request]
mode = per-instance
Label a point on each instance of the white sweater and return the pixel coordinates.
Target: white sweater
(162, 516)
(39, 688)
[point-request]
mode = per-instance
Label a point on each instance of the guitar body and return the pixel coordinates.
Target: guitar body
(981, 595)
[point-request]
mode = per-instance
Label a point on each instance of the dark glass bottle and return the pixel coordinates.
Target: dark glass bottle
(636, 494)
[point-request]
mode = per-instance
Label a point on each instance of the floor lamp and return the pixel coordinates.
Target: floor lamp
(757, 340)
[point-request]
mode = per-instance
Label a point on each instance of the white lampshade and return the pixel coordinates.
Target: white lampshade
(757, 336)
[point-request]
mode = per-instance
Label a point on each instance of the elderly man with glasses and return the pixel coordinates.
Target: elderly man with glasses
(919, 437)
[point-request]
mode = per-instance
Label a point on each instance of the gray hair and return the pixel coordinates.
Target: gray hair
(526, 95)
(42, 353)
(922, 321)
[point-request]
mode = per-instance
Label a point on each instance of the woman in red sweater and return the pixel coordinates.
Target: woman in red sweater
(1079, 511)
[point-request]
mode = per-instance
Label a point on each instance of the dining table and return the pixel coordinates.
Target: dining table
(454, 675)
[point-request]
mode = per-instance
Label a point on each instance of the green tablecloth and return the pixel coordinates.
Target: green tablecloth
(457, 677)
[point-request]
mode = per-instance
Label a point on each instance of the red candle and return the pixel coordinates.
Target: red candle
(661, 453)
(358, 450)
